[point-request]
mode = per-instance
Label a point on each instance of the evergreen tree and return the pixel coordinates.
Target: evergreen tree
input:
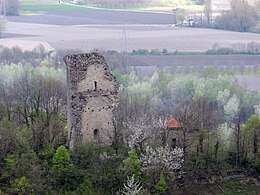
(132, 165)
(161, 186)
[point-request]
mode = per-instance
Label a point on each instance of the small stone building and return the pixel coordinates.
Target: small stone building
(173, 127)
(92, 99)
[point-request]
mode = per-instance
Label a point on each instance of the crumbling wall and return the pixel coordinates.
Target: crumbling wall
(92, 99)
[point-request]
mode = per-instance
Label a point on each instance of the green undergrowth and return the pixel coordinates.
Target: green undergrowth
(239, 186)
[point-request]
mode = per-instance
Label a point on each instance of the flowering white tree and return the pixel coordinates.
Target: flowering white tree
(230, 104)
(131, 187)
(257, 110)
(233, 111)
(231, 108)
(171, 159)
(155, 78)
(212, 86)
(136, 132)
(223, 96)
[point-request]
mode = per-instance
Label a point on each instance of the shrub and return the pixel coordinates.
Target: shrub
(132, 165)
(161, 186)
(61, 160)
(22, 186)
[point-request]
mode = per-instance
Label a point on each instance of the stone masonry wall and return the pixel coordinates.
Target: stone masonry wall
(92, 99)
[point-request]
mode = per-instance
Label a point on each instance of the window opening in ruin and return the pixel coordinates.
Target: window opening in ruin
(96, 134)
(174, 142)
(95, 85)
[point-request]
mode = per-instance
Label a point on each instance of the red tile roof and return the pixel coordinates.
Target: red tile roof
(172, 123)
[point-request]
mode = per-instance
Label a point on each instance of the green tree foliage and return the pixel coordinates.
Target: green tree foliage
(61, 160)
(99, 167)
(176, 2)
(35, 96)
(22, 186)
(180, 16)
(64, 172)
(8, 171)
(87, 188)
(133, 166)
(189, 86)
(212, 109)
(121, 79)
(241, 17)
(141, 52)
(8, 139)
(252, 137)
(161, 186)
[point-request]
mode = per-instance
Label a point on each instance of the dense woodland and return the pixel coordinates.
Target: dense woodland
(219, 137)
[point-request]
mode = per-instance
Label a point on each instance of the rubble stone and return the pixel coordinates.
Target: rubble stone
(92, 99)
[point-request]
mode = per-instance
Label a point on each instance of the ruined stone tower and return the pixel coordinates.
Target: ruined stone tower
(92, 99)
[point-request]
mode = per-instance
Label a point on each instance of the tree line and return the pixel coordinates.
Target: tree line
(241, 17)
(136, 3)
(9, 7)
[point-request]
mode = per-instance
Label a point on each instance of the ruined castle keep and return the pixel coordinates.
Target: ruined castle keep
(92, 99)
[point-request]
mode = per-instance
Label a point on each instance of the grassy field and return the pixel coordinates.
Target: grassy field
(51, 7)
(48, 5)
(37, 1)
(170, 8)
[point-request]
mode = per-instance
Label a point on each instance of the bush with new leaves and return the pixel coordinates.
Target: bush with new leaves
(132, 165)
(61, 160)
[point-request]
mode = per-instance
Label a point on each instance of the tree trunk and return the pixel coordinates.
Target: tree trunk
(216, 150)
(255, 144)
(201, 139)
(238, 144)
